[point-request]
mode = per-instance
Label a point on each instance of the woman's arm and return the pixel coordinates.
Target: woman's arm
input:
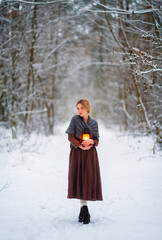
(96, 141)
(73, 140)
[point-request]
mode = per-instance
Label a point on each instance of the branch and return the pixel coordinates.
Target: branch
(125, 110)
(5, 186)
(151, 70)
(120, 11)
(1, 46)
(34, 3)
(56, 49)
(34, 111)
(148, 125)
(142, 53)
(120, 63)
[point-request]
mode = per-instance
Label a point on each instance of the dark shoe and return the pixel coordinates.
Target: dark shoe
(81, 217)
(86, 215)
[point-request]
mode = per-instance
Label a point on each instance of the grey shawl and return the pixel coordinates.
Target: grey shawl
(78, 125)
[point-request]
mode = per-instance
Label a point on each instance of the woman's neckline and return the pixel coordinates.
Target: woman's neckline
(87, 119)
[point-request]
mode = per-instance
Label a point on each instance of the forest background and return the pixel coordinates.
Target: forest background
(55, 52)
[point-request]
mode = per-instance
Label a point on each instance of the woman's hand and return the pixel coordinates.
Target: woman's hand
(88, 142)
(85, 148)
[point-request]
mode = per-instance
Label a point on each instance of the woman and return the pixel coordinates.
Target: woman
(84, 180)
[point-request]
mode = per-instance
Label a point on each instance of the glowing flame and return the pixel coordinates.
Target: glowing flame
(86, 136)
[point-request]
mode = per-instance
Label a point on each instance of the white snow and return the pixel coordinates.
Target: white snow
(33, 206)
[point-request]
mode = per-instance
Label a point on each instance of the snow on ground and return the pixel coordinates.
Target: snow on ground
(33, 206)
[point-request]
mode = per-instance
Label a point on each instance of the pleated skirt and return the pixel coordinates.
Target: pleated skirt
(84, 180)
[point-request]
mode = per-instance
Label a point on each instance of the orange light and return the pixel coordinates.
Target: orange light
(86, 136)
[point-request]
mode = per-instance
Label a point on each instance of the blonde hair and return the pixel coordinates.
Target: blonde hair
(85, 104)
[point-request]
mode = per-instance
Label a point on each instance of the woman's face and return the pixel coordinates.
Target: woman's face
(81, 110)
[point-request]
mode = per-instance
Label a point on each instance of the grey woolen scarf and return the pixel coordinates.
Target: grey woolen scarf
(77, 126)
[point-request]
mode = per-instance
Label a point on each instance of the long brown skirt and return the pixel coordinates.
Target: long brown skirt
(84, 181)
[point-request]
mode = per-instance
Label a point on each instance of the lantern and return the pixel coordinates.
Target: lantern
(86, 136)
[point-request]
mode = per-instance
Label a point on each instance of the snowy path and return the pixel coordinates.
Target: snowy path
(35, 207)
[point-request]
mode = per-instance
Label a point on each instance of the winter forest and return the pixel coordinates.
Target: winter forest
(52, 54)
(56, 52)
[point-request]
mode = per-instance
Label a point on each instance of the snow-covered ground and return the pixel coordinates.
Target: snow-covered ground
(33, 206)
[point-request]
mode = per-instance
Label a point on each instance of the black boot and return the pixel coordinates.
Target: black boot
(86, 215)
(81, 217)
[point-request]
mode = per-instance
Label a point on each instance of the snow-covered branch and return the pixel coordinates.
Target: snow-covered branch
(125, 111)
(56, 48)
(149, 71)
(5, 186)
(33, 111)
(35, 2)
(123, 12)
(2, 45)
